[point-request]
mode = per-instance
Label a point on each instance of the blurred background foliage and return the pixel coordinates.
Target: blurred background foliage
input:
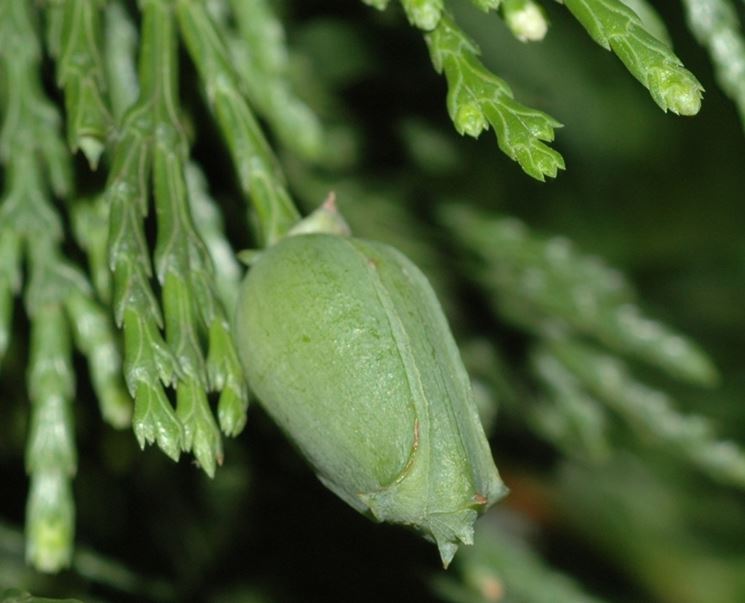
(619, 439)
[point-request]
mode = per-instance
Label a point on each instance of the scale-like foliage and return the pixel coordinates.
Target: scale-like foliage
(715, 25)
(547, 286)
(116, 207)
(478, 99)
(616, 27)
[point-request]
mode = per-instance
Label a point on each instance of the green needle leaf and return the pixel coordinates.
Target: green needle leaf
(477, 98)
(146, 361)
(36, 164)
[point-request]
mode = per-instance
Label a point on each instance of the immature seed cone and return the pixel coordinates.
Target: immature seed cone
(347, 348)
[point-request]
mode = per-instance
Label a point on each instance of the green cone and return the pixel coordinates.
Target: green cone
(347, 348)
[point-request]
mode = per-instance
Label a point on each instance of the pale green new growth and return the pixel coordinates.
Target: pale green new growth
(424, 14)
(652, 411)
(716, 26)
(80, 72)
(525, 19)
(50, 521)
(616, 27)
(477, 98)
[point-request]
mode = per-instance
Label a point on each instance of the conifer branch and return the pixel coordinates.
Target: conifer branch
(209, 224)
(258, 170)
(80, 73)
(95, 338)
(716, 26)
(36, 167)
(147, 359)
(51, 457)
(90, 226)
(569, 417)
(547, 286)
(616, 27)
(651, 411)
(153, 145)
(262, 64)
(120, 49)
(477, 99)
